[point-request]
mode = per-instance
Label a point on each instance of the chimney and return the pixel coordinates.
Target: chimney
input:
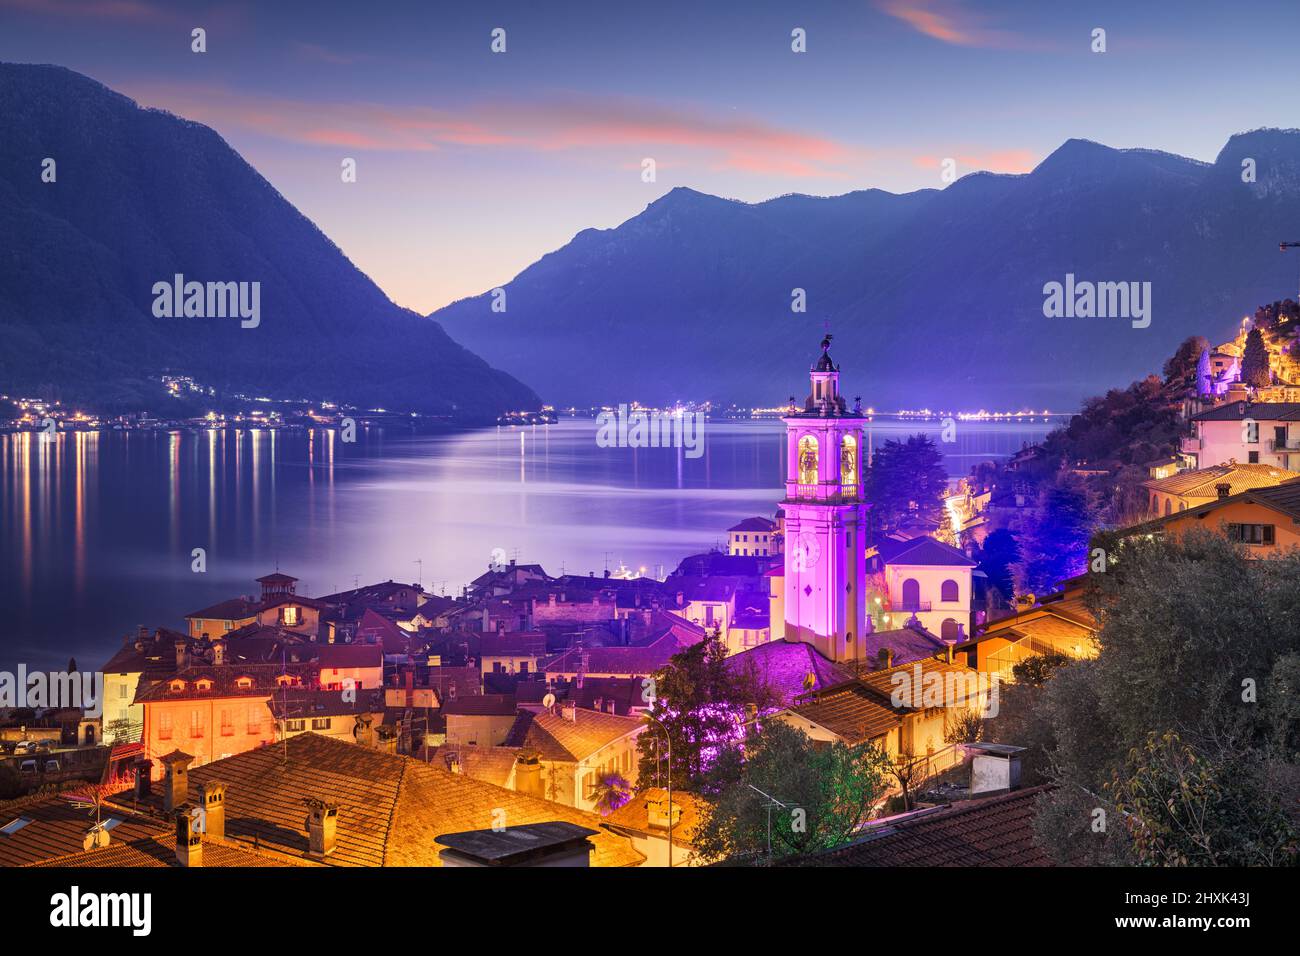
(528, 776)
(658, 813)
(322, 820)
(176, 780)
(143, 781)
(1224, 489)
(218, 652)
(886, 658)
(609, 707)
(189, 841)
(182, 654)
(569, 711)
(995, 768)
(453, 762)
(213, 797)
(96, 838)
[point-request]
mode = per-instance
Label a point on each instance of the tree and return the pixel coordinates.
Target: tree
(1180, 366)
(1054, 543)
(826, 793)
(1254, 363)
(907, 478)
(995, 558)
(702, 705)
(611, 792)
(1204, 378)
(1185, 720)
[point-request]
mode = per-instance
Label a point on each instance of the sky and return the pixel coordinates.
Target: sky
(471, 164)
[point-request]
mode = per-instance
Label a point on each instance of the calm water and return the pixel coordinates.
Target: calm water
(97, 530)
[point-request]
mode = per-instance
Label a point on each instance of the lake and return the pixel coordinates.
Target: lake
(97, 529)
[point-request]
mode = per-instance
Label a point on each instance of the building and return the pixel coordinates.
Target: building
(569, 755)
(1264, 520)
(1188, 489)
(323, 800)
(786, 669)
(931, 581)
(511, 652)
(646, 821)
(825, 518)
(1059, 623)
(1257, 433)
(752, 536)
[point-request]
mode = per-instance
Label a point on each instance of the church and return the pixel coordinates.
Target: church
(824, 590)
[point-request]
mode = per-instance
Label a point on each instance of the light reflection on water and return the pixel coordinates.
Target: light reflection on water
(97, 529)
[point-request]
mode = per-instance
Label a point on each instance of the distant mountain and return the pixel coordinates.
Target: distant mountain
(934, 297)
(142, 195)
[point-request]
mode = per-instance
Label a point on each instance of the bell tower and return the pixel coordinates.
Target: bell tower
(825, 518)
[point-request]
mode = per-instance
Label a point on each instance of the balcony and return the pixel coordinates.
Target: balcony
(1285, 444)
(827, 491)
(1189, 444)
(911, 606)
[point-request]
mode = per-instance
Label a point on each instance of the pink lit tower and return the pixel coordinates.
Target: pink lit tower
(825, 519)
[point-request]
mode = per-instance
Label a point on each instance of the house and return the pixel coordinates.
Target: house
(494, 765)
(635, 661)
(314, 798)
(1265, 520)
(38, 828)
(350, 666)
(645, 820)
(1262, 433)
(901, 645)
(222, 617)
(215, 711)
(850, 713)
(752, 536)
(986, 832)
(351, 716)
(566, 756)
(511, 652)
(930, 580)
(1188, 489)
(483, 719)
(1060, 623)
(143, 658)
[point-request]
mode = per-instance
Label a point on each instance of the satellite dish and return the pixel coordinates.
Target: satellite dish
(548, 701)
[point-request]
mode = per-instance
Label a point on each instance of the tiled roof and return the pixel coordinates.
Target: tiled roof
(853, 712)
(994, 831)
(926, 551)
(784, 667)
(907, 644)
(481, 705)
(234, 609)
(621, 661)
(225, 681)
(1260, 411)
(350, 655)
(634, 816)
(490, 764)
(513, 644)
(1284, 499)
(160, 851)
(555, 737)
(755, 524)
(58, 828)
(884, 683)
(304, 704)
(391, 808)
(1203, 482)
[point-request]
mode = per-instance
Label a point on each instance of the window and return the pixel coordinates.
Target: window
(196, 724)
(244, 683)
(254, 720)
(9, 829)
(1253, 457)
(203, 684)
(948, 591)
(320, 723)
(291, 616)
(164, 726)
(121, 691)
(295, 725)
(227, 724)
(177, 686)
(849, 465)
(1251, 533)
(1251, 432)
(948, 631)
(808, 460)
(911, 595)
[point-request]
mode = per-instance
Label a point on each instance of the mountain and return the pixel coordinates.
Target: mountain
(935, 298)
(142, 195)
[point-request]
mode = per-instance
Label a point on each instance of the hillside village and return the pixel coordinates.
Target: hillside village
(417, 728)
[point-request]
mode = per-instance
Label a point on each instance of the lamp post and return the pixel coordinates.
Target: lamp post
(669, 741)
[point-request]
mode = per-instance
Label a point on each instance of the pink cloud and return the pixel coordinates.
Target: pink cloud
(993, 161)
(948, 22)
(560, 123)
(131, 10)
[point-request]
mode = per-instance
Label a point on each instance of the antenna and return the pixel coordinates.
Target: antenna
(419, 581)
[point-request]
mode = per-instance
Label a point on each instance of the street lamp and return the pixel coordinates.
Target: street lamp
(669, 741)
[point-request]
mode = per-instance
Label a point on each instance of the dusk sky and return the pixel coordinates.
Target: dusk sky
(471, 165)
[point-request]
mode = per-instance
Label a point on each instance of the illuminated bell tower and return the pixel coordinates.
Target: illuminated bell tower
(825, 519)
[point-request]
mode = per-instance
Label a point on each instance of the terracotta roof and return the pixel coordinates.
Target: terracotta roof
(234, 609)
(1283, 498)
(634, 816)
(350, 655)
(483, 705)
(908, 644)
(1260, 411)
(620, 661)
(304, 704)
(784, 667)
(391, 808)
(1203, 482)
(225, 681)
(883, 681)
(160, 851)
(558, 738)
(58, 828)
(492, 765)
(994, 831)
(755, 524)
(513, 644)
(854, 712)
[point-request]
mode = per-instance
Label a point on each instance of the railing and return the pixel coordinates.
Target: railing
(826, 491)
(912, 606)
(1286, 444)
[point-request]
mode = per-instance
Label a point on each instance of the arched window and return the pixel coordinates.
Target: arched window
(849, 464)
(948, 591)
(1155, 503)
(911, 595)
(808, 460)
(948, 630)
(1169, 502)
